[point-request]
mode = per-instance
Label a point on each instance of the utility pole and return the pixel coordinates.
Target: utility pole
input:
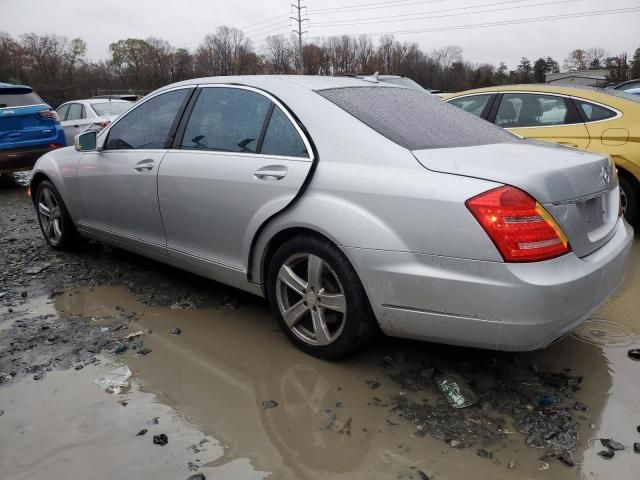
(298, 19)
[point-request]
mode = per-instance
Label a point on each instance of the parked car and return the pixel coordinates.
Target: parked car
(28, 128)
(77, 116)
(624, 86)
(130, 97)
(598, 120)
(633, 91)
(352, 207)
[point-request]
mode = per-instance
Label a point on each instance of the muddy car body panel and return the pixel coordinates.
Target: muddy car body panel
(393, 198)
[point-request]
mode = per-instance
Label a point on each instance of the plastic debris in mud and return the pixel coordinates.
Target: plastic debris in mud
(197, 476)
(176, 331)
(455, 389)
(114, 381)
(142, 352)
(607, 454)
(634, 353)
(142, 432)
(269, 404)
(636, 447)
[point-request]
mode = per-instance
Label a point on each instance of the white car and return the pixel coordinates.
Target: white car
(78, 116)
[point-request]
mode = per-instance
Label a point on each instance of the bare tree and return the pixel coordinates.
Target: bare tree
(279, 54)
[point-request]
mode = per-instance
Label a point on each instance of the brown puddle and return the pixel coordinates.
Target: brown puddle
(210, 382)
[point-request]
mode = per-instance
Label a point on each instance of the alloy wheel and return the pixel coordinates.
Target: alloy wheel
(50, 216)
(311, 299)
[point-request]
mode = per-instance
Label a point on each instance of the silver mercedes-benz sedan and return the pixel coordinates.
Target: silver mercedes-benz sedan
(352, 207)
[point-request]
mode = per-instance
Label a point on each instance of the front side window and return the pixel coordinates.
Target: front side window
(593, 112)
(531, 110)
(473, 104)
(149, 125)
(281, 137)
(227, 120)
(75, 112)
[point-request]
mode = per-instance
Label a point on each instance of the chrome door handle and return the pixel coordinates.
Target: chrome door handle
(272, 172)
(144, 166)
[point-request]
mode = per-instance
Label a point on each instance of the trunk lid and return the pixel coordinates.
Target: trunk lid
(579, 189)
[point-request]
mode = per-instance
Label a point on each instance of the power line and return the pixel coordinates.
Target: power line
(414, 16)
(391, 18)
(370, 6)
(248, 27)
(492, 24)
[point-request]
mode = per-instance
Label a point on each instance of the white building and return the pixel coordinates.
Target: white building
(589, 78)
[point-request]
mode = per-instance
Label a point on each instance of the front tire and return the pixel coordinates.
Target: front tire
(55, 222)
(630, 197)
(318, 299)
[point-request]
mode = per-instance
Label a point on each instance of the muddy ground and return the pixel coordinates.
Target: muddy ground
(94, 375)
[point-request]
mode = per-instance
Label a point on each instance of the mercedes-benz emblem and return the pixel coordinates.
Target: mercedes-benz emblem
(605, 175)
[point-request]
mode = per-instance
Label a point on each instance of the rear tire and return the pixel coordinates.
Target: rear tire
(55, 222)
(318, 298)
(630, 196)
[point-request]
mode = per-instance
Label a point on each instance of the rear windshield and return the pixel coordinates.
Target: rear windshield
(19, 99)
(107, 109)
(415, 120)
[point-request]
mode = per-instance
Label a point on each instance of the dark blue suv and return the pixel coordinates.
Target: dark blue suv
(28, 128)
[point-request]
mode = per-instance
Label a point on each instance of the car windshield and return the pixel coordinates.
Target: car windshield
(108, 109)
(403, 82)
(626, 94)
(19, 99)
(415, 119)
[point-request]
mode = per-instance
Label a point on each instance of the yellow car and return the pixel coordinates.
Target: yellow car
(604, 121)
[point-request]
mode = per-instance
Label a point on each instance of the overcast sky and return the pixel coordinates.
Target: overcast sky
(438, 22)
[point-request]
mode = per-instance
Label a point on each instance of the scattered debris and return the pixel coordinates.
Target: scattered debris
(6, 378)
(456, 390)
(611, 444)
(1, 412)
(373, 384)
(161, 439)
(115, 381)
(346, 428)
(197, 476)
(567, 459)
(512, 465)
(131, 336)
(634, 353)
(269, 404)
(608, 454)
(636, 447)
(422, 475)
(580, 407)
(142, 432)
(142, 352)
(455, 443)
(482, 453)
(37, 269)
(176, 331)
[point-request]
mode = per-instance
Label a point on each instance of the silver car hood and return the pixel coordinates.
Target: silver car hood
(580, 189)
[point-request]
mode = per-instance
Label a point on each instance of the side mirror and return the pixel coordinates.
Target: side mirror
(86, 141)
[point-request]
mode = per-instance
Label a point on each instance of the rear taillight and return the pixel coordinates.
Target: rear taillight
(521, 228)
(49, 115)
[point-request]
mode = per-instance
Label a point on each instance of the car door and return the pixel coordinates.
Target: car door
(240, 157)
(117, 185)
(75, 122)
(546, 117)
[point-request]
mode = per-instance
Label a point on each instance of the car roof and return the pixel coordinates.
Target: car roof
(97, 100)
(309, 82)
(9, 87)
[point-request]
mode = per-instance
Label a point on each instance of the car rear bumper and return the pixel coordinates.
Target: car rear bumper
(21, 158)
(493, 305)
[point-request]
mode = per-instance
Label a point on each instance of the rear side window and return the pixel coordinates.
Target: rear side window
(227, 120)
(150, 124)
(281, 137)
(519, 110)
(415, 120)
(593, 112)
(19, 99)
(473, 104)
